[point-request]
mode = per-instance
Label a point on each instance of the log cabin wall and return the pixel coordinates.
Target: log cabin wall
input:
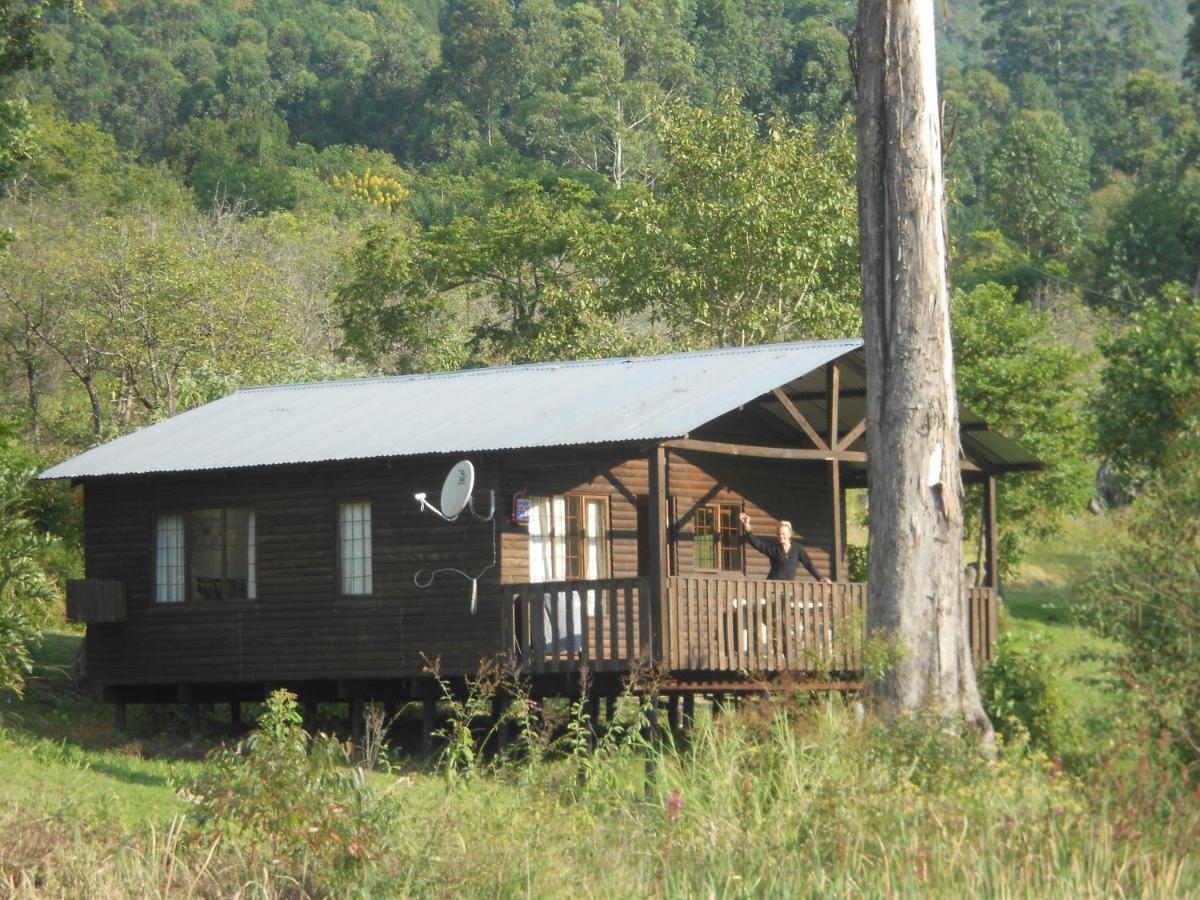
(769, 490)
(299, 628)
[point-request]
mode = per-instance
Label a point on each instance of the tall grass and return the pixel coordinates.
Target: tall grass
(784, 798)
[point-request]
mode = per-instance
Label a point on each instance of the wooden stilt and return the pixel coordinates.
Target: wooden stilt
(193, 719)
(675, 714)
(119, 716)
(610, 708)
(428, 713)
(593, 720)
(500, 723)
(235, 714)
(653, 736)
(356, 724)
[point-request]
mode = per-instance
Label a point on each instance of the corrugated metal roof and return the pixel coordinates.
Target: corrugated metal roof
(541, 405)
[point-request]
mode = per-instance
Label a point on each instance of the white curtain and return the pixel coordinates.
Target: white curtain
(548, 562)
(595, 563)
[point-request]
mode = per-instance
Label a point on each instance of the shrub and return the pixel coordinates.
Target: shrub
(27, 590)
(1022, 696)
(1144, 592)
(299, 805)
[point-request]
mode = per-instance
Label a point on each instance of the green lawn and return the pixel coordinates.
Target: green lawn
(1038, 601)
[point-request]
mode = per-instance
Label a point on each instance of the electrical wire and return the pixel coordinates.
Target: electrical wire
(423, 582)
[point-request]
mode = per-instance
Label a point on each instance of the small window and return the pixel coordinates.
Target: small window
(205, 554)
(354, 548)
(170, 577)
(717, 538)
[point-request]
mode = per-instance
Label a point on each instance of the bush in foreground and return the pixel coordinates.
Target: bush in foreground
(1144, 593)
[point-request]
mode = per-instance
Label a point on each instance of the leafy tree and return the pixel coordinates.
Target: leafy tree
(1062, 42)
(1036, 184)
(624, 61)
(1149, 394)
(509, 279)
(747, 236)
(126, 307)
(817, 85)
(1013, 373)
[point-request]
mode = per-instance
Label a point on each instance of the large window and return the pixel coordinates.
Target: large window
(568, 538)
(205, 555)
(354, 548)
(717, 538)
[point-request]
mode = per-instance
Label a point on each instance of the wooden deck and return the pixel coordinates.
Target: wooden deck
(711, 625)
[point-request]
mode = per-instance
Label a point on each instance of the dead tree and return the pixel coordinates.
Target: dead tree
(915, 579)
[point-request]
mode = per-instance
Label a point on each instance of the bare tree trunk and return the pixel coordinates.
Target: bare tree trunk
(915, 579)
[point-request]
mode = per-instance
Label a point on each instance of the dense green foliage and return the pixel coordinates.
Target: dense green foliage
(1014, 373)
(1150, 390)
(29, 563)
(1145, 594)
(1022, 697)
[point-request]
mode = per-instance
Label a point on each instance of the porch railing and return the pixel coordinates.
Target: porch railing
(558, 626)
(711, 624)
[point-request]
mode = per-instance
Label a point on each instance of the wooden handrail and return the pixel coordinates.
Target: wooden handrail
(711, 623)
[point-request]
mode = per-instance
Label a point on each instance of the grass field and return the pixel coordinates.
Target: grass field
(789, 797)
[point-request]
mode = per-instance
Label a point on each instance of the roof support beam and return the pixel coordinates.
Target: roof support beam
(795, 453)
(852, 435)
(801, 422)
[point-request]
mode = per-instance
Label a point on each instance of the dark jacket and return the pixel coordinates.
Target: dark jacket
(783, 565)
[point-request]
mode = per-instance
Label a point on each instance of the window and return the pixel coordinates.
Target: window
(717, 538)
(170, 576)
(205, 554)
(568, 538)
(354, 548)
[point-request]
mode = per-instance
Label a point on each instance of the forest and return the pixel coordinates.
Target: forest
(199, 196)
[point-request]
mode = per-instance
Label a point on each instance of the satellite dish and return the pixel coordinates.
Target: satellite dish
(456, 495)
(456, 490)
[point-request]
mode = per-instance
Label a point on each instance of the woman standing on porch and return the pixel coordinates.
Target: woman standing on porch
(783, 554)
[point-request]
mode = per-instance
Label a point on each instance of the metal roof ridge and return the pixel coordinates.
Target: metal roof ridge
(745, 350)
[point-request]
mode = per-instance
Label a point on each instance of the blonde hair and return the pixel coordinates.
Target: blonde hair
(785, 523)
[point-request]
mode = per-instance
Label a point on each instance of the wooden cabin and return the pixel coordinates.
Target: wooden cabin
(271, 538)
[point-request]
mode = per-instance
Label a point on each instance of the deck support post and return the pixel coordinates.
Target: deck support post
(718, 704)
(689, 710)
(193, 719)
(610, 708)
(832, 387)
(657, 463)
(356, 725)
(235, 714)
(500, 723)
(119, 718)
(428, 712)
(991, 538)
(675, 715)
(652, 734)
(593, 706)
